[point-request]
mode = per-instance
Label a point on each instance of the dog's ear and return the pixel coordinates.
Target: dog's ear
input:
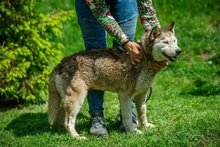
(155, 32)
(171, 27)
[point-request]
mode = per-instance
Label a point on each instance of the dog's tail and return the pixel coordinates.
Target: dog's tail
(54, 100)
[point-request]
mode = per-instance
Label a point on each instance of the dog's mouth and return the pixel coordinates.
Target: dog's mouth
(171, 58)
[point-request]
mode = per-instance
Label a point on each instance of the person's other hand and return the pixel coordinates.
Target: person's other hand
(159, 65)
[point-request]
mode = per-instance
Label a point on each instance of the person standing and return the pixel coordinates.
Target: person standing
(117, 18)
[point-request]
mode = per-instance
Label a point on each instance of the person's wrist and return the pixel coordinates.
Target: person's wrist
(125, 42)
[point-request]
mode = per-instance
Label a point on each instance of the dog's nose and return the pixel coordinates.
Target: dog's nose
(178, 52)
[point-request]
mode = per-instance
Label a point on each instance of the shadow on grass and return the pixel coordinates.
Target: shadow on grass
(30, 124)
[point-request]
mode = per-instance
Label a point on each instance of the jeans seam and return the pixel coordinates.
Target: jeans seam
(136, 14)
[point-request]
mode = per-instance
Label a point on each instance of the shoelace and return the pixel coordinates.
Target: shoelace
(98, 122)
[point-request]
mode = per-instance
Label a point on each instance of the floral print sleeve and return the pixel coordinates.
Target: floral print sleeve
(147, 14)
(100, 11)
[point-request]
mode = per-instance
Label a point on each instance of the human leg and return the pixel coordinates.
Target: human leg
(94, 37)
(126, 15)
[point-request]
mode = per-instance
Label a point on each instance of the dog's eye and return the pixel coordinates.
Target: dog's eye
(165, 42)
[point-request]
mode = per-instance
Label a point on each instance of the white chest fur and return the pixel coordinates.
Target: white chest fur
(144, 81)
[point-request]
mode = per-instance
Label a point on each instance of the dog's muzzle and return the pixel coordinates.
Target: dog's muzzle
(173, 58)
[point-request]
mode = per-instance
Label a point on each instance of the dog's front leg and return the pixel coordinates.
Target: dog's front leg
(126, 112)
(141, 110)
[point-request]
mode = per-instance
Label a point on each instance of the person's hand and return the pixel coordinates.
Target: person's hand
(135, 52)
(159, 65)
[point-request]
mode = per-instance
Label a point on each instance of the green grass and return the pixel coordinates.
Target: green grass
(185, 104)
(180, 121)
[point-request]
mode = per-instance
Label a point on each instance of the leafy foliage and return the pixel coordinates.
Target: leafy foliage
(27, 52)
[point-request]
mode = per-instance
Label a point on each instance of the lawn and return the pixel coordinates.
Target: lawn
(184, 106)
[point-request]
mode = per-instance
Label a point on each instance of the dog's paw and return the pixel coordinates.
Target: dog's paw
(137, 131)
(149, 125)
(81, 138)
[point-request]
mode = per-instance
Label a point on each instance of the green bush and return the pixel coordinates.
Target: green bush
(27, 49)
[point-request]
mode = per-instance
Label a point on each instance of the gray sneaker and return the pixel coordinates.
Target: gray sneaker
(97, 125)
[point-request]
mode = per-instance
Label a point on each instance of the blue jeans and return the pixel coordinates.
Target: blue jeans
(125, 13)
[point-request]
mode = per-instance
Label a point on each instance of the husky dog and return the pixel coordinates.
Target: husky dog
(109, 70)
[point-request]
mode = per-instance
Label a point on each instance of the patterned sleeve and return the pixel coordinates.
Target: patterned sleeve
(101, 12)
(147, 14)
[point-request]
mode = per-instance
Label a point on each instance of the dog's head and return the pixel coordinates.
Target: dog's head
(162, 44)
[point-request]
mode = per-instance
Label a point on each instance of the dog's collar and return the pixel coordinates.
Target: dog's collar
(121, 48)
(139, 43)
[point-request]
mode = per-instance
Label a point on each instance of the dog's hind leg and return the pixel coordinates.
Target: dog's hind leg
(61, 116)
(54, 101)
(75, 97)
(141, 110)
